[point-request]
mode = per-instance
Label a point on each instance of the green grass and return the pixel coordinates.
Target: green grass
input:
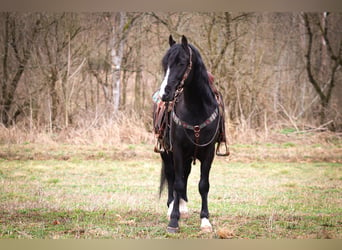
(102, 192)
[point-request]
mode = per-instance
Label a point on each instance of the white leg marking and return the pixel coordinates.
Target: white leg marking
(206, 226)
(169, 211)
(183, 209)
(164, 83)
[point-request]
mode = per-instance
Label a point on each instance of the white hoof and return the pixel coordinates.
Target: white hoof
(206, 226)
(183, 209)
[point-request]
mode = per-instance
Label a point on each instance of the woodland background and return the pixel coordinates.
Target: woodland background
(89, 77)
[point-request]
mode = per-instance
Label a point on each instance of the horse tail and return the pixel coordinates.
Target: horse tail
(167, 172)
(162, 179)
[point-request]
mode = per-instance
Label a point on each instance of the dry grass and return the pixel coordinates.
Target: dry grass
(132, 128)
(125, 128)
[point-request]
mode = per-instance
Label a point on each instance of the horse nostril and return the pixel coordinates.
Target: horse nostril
(166, 97)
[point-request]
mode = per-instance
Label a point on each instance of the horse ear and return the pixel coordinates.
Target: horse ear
(171, 41)
(184, 41)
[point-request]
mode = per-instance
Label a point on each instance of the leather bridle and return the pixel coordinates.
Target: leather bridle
(186, 74)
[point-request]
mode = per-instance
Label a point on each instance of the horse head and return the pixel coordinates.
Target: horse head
(177, 65)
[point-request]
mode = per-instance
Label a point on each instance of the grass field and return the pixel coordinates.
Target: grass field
(267, 191)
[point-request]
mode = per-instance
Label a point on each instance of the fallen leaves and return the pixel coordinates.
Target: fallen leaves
(225, 233)
(56, 222)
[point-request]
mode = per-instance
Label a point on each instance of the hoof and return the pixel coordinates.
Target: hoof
(172, 230)
(206, 226)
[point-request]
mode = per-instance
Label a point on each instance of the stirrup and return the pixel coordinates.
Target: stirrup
(218, 149)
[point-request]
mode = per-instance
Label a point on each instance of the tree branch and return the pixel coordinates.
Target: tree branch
(324, 31)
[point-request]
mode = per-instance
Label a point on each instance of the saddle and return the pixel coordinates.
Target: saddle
(162, 118)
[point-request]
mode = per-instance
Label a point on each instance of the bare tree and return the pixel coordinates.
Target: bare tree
(114, 56)
(19, 36)
(57, 58)
(323, 56)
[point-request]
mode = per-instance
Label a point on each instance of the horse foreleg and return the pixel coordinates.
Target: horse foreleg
(203, 187)
(179, 193)
(173, 226)
(183, 209)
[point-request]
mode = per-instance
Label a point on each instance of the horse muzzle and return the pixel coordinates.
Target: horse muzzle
(167, 98)
(168, 95)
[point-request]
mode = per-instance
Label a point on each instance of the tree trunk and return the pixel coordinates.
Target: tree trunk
(138, 77)
(54, 100)
(117, 54)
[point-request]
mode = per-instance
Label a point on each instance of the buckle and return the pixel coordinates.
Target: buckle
(197, 130)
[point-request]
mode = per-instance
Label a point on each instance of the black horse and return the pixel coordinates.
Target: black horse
(193, 128)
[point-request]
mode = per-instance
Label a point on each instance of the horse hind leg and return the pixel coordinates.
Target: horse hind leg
(183, 209)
